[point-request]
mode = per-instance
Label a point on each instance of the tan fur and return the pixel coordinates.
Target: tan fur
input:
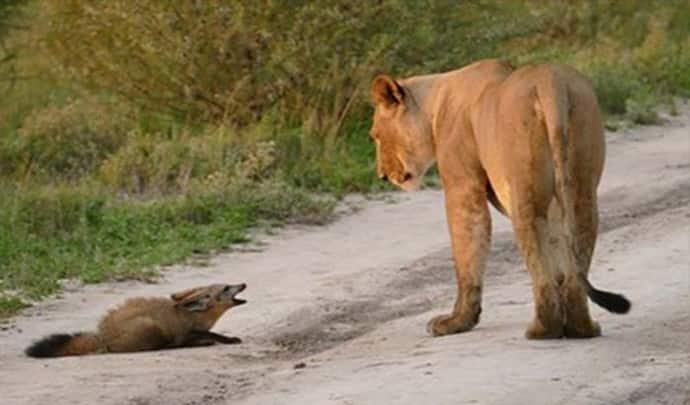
(531, 142)
(80, 344)
(140, 324)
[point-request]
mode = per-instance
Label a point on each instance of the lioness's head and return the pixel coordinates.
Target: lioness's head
(402, 133)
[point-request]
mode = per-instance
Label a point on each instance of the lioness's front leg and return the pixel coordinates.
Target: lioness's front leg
(469, 223)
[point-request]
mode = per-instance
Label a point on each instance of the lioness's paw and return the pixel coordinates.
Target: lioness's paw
(582, 332)
(435, 328)
(449, 324)
(536, 330)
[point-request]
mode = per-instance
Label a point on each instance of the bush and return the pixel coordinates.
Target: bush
(52, 211)
(641, 108)
(9, 14)
(310, 62)
(148, 164)
(614, 87)
(69, 141)
(161, 163)
(637, 52)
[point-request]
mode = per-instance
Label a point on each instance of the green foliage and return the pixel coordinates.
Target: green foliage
(347, 168)
(310, 62)
(68, 141)
(10, 305)
(155, 162)
(68, 232)
(641, 108)
(9, 14)
(636, 52)
(614, 87)
(623, 92)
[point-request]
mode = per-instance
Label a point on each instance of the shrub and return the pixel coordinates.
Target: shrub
(160, 163)
(9, 14)
(310, 62)
(637, 52)
(148, 163)
(641, 108)
(49, 211)
(69, 141)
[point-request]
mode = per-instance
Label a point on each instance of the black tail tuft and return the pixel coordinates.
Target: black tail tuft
(612, 302)
(49, 346)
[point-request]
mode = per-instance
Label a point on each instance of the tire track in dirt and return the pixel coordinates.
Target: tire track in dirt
(418, 287)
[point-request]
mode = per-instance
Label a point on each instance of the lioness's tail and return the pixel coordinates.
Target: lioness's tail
(554, 102)
(64, 345)
(612, 302)
(553, 98)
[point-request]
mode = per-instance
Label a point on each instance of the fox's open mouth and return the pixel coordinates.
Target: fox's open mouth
(239, 301)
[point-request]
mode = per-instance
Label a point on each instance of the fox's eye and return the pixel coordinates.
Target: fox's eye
(226, 289)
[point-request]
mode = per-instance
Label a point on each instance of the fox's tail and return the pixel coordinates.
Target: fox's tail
(554, 101)
(64, 345)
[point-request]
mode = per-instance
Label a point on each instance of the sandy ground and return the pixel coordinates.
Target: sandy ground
(348, 303)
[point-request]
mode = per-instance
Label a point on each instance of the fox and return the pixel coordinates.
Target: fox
(143, 324)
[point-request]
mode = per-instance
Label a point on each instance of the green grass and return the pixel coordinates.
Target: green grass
(74, 233)
(347, 166)
(10, 306)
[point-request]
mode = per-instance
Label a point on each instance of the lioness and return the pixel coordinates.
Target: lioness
(531, 142)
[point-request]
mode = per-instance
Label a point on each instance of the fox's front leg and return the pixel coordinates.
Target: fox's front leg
(228, 340)
(469, 223)
(195, 339)
(214, 337)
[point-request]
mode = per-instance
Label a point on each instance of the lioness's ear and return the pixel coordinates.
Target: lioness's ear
(386, 91)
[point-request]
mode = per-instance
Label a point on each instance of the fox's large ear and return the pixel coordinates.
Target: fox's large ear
(194, 302)
(183, 294)
(386, 91)
(193, 299)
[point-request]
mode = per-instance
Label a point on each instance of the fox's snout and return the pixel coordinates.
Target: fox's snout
(230, 292)
(232, 289)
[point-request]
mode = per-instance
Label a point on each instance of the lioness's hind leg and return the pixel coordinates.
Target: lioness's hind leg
(532, 232)
(579, 323)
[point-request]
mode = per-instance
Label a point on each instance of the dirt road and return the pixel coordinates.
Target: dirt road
(348, 303)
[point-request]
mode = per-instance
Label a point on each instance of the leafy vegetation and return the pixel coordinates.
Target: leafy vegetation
(137, 134)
